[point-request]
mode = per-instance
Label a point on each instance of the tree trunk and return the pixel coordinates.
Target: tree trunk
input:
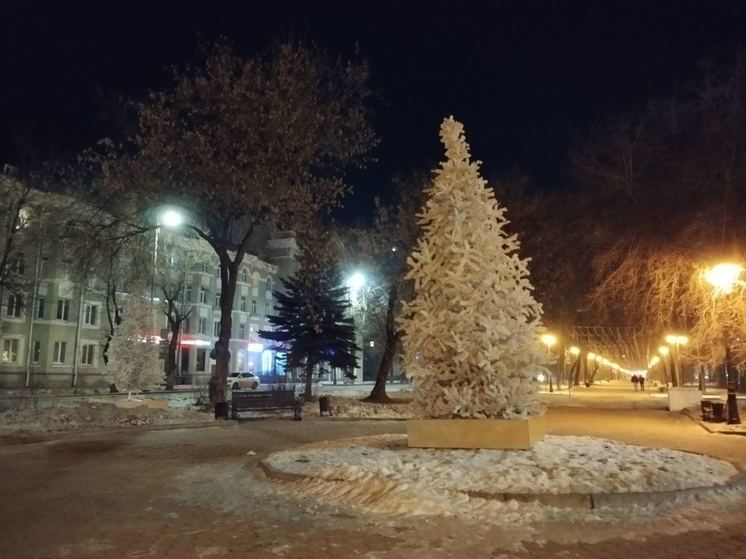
(219, 379)
(308, 396)
(378, 394)
(173, 347)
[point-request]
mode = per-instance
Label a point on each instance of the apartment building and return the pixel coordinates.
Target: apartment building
(53, 331)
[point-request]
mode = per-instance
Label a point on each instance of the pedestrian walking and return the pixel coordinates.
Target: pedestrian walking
(635, 380)
(642, 383)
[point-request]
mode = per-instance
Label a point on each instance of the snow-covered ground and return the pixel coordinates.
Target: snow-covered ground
(351, 407)
(93, 415)
(556, 465)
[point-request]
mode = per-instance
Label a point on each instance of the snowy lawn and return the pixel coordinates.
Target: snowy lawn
(353, 408)
(93, 415)
(557, 465)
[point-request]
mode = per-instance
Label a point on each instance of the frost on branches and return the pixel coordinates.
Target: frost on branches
(134, 362)
(471, 330)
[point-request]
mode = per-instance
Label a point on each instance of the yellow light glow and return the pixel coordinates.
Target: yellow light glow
(723, 277)
(615, 366)
(663, 350)
(654, 361)
(548, 340)
(591, 356)
(574, 350)
(678, 340)
(605, 361)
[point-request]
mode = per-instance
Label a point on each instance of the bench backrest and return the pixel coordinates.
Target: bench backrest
(268, 399)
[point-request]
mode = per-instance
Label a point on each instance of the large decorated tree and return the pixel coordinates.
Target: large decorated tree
(471, 331)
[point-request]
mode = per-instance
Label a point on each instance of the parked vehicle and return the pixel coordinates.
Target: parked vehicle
(243, 380)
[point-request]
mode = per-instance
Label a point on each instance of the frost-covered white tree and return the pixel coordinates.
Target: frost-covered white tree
(133, 357)
(471, 332)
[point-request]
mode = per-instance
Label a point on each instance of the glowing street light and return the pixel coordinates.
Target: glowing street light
(724, 277)
(574, 350)
(355, 283)
(591, 356)
(663, 350)
(166, 218)
(677, 341)
(171, 218)
(549, 340)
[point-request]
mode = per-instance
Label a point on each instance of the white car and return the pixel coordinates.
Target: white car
(240, 381)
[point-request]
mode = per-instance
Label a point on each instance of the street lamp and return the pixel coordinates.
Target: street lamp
(724, 277)
(355, 283)
(167, 218)
(549, 340)
(676, 342)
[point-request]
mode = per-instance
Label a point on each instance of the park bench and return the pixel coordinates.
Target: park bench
(270, 400)
(713, 412)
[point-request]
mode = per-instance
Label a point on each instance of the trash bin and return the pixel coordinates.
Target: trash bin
(325, 406)
(718, 412)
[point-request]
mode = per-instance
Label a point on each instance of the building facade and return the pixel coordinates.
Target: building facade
(54, 328)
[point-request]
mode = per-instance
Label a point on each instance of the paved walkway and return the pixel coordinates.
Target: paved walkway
(197, 493)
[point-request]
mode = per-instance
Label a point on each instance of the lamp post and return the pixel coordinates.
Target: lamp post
(355, 283)
(676, 342)
(168, 218)
(665, 351)
(724, 277)
(549, 340)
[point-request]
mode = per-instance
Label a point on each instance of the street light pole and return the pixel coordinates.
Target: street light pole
(549, 340)
(724, 277)
(733, 416)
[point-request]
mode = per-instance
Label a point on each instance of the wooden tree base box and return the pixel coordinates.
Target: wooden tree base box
(509, 434)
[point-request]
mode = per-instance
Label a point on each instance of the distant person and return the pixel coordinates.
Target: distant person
(635, 380)
(642, 383)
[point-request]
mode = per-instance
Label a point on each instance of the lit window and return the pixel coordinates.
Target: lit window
(10, 350)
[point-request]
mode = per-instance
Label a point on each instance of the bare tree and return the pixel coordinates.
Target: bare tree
(244, 144)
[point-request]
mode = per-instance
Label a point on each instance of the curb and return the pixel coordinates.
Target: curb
(588, 501)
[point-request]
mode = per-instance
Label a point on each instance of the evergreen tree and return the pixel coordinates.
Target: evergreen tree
(134, 361)
(471, 330)
(313, 324)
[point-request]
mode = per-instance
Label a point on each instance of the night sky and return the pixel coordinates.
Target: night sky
(526, 78)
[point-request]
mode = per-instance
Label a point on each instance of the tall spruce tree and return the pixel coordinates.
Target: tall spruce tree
(471, 330)
(313, 324)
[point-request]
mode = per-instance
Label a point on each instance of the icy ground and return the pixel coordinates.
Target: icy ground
(556, 465)
(93, 415)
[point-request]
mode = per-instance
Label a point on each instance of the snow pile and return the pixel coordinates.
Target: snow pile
(94, 415)
(353, 408)
(556, 465)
